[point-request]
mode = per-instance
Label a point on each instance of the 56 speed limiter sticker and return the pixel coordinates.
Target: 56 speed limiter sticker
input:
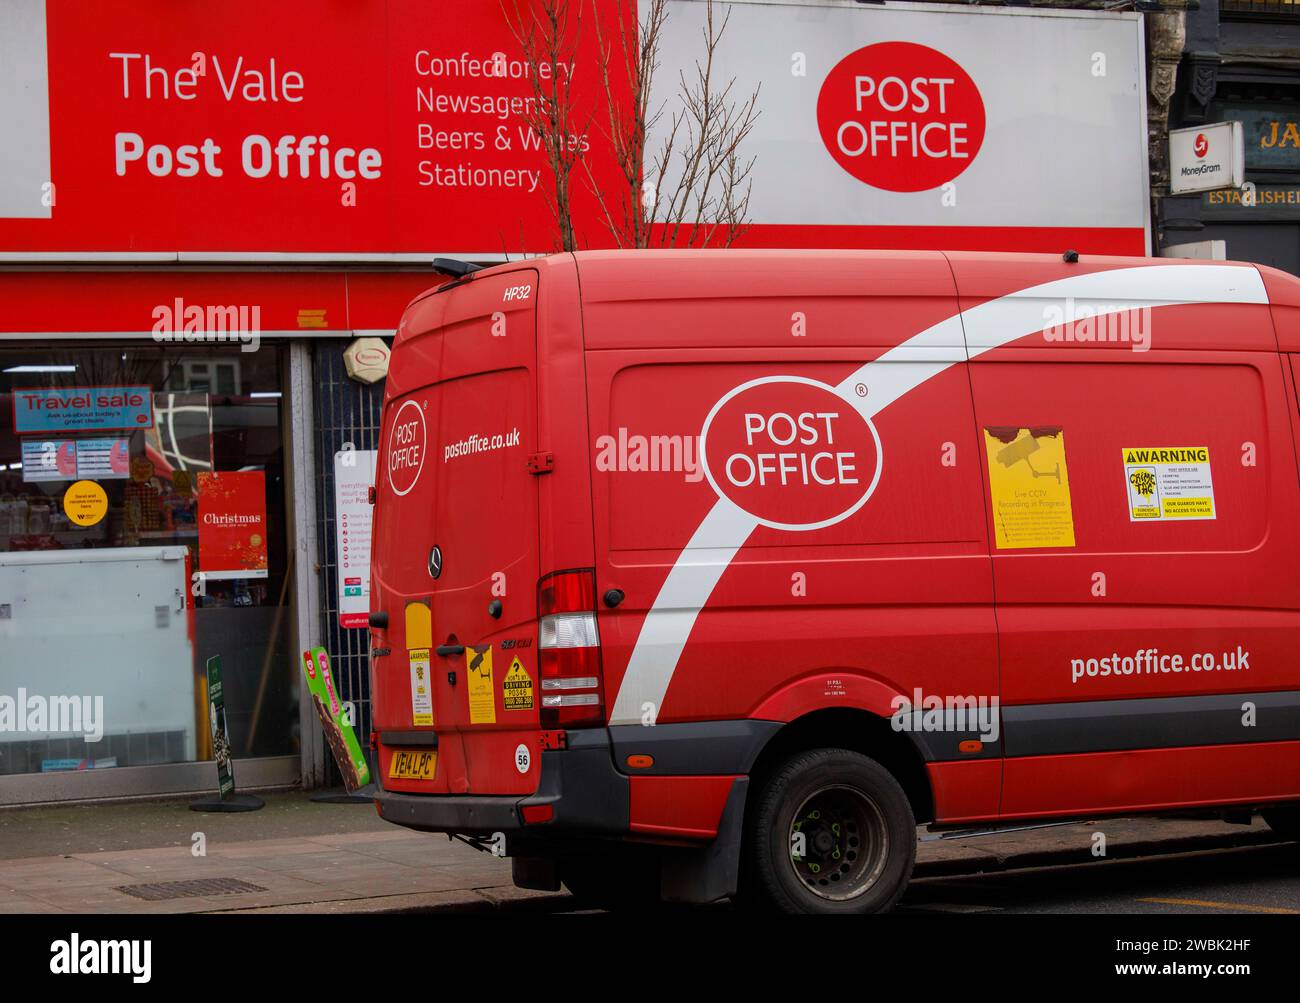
(1168, 482)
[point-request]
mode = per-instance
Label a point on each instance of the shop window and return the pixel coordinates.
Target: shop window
(143, 530)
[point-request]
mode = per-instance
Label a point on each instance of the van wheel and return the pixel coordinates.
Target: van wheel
(620, 882)
(1284, 821)
(831, 832)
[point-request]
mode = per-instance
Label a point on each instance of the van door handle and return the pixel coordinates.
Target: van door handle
(446, 650)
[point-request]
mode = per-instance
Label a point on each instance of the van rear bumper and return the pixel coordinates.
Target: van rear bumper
(587, 795)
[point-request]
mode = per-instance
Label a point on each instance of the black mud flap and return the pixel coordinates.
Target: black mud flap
(711, 872)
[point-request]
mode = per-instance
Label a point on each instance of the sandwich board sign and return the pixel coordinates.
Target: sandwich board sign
(227, 799)
(335, 719)
(220, 731)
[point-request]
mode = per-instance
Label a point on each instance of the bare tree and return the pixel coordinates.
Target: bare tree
(693, 188)
(547, 34)
(695, 184)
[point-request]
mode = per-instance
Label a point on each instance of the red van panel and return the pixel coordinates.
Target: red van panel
(456, 541)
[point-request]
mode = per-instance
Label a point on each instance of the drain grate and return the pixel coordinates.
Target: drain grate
(160, 891)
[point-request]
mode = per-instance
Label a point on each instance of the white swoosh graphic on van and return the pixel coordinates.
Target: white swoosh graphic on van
(888, 377)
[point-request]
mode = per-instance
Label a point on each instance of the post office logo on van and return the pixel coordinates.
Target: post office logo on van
(792, 452)
(406, 447)
(900, 116)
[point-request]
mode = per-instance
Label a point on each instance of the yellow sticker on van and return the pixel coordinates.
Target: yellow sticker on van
(482, 700)
(517, 688)
(1168, 482)
(419, 624)
(1030, 487)
(421, 687)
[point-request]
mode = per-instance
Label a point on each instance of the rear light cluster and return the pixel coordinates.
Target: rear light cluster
(569, 642)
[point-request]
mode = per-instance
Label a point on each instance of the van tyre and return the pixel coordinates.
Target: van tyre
(1284, 821)
(831, 831)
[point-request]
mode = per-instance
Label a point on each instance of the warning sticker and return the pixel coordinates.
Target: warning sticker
(1168, 482)
(517, 688)
(1030, 487)
(421, 687)
(482, 701)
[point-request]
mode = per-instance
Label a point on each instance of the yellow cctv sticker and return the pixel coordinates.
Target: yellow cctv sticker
(482, 701)
(517, 688)
(85, 503)
(421, 687)
(1168, 482)
(1030, 487)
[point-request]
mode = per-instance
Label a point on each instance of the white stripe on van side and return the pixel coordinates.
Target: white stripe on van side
(893, 374)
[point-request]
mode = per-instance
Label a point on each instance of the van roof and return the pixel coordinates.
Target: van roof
(759, 262)
(623, 275)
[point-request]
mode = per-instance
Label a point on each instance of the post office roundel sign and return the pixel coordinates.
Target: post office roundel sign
(900, 116)
(792, 452)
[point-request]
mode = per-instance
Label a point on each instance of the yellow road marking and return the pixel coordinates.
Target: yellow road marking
(1223, 905)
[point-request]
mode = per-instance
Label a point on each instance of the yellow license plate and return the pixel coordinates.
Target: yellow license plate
(413, 764)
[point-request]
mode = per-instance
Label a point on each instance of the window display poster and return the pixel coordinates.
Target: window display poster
(85, 503)
(232, 524)
(75, 459)
(103, 459)
(81, 409)
(46, 460)
(354, 474)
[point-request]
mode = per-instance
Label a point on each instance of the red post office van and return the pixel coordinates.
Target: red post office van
(714, 573)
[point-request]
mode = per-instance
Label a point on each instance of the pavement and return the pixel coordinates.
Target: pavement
(300, 856)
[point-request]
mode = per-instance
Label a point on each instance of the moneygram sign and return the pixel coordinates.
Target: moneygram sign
(1207, 158)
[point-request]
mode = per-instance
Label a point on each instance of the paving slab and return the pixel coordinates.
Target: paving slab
(341, 858)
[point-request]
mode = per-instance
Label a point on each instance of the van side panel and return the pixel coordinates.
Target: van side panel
(961, 789)
(894, 598)
(1160, 628)
(1153, 779)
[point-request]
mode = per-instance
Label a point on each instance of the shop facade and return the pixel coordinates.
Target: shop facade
(1238, 64)
(183, 441)
(206, 459)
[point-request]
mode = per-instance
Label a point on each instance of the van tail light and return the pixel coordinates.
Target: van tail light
(572, 690)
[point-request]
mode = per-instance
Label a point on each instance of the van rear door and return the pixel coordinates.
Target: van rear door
(456, 537)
